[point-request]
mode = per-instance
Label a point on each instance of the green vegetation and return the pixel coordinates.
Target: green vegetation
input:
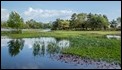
(81, 22)
(115, 22)
(33, 24)
(15, 22)
(87, 22)
(91, 44)
(95, 48)
(59, 33)
(85, 43)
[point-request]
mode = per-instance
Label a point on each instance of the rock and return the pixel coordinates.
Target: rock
(66, 62)
(74, 60)
(61, 56)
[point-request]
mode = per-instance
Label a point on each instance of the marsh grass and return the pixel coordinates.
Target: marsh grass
(109, 50)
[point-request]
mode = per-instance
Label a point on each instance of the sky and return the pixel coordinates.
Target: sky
(46, 11)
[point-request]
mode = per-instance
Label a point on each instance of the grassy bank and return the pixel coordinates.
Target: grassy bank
(91, 44)
(95, 48)
(62, 34)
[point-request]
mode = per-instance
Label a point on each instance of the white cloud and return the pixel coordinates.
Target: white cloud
(4, 14)
(40, 13)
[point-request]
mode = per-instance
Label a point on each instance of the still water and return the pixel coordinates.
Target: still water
(44, 53)
(33, 53)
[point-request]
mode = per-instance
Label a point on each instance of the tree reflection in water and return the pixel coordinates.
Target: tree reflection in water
(15, 46)
(36, 48)
(53, 48)
(40, 49)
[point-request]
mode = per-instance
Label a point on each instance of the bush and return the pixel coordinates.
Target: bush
(16, 31)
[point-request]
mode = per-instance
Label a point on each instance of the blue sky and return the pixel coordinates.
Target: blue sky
(46, 11)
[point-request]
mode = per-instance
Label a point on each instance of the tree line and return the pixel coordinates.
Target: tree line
(16, 22)
(81, 21)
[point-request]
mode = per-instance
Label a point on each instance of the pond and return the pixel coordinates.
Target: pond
(46, 30)
(113, 37)
(32, 53)
(43, 53)
(40, 30)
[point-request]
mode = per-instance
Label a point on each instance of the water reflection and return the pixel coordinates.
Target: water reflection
(36, 48)
(15, 46)
(53, 48)
(113, 37)
(42, 49)
(40, 46)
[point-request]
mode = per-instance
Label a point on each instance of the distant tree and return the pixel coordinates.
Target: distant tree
(4, 24)
(118, 20)
(105, 21)
(33, 24)
(89, 20)
(96, 21)
(60, 24)
(113, 23)
(15, 21)
(92, 21)
(81, 20)
(73, 21)
(64, 24)
(55, 24)
(47, 25)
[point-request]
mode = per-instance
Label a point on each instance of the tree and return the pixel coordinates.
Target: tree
(4, 24)
(92, 21)
(81, 20)
(73, 20)
(116, 24)
(15, 21)
(64, 24)
(118, 20)
(60, 24)
(105, 22)
(47, 25)
(113, 23)
(89, 20)
(95, 21)
(33, 24)
(55, 24)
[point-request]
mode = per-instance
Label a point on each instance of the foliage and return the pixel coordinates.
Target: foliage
(91, 44)
(4, 24)
(95, 48)
(80, 21)
(15, 21)
(33, 24)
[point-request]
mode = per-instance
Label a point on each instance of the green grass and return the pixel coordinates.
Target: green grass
(95, 48)
(62, 34)
(91, 44)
